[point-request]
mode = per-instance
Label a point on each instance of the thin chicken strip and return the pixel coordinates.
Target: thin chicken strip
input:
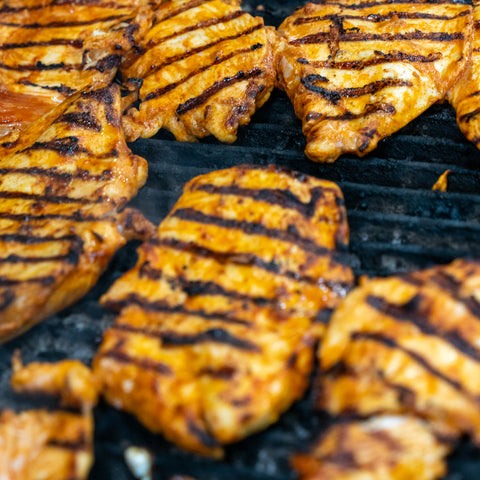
(217, 324)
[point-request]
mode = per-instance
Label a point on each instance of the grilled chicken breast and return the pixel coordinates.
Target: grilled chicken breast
(359, 71)
(54, 444)
(464, 96)
(206, 67)
(220, 315)
(408, 343)
(381, 448)
(61, 184)
(49, 50)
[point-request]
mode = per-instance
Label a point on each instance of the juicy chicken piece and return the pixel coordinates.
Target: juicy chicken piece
(408, 343)
(358, 71)
(62, 182)
(465, 95)
(217, 324)
(49, 50)
(49, 445)
(381, 448)
(207, 66)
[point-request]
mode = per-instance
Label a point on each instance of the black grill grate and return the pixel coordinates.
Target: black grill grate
(397, 223)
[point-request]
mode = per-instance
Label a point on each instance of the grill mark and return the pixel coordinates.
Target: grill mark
(67, 146)
(199, 26)
(80, 119)
(252, 260)
(9, 9)
(203, 436)
(348, 36)
(162, 91)
(334, 96)
(193, 51)
(39, 66)
(7, 298)
(416, 312)
(76, 43)
(53, 172)
(391, 343)
(196, 102)
(75, 445)
(225, 372)
(184, 8)
(383, 58)
(291, 235)
(369, 4)
(57, 199)
(163, 307)
(63, 24)
(196, 287)
(467, 117)
(30, 239)
(58, 88)
(24, 217)
(144, 363)
(387, 108)
(376, 17)
(343, 458)
(45, 281)
(70, 257)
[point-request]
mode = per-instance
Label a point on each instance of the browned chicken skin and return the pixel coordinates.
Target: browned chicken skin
(207, 66)
(357, 72)
(216, 331)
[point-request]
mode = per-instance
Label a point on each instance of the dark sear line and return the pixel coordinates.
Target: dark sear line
(58, 88)
(31, 239)
(80, 119)
(70, 257)
(24, 217)
(250, 259)
(145, 363)
(334, 96)
(467, 117)
(184, 8)
(369, 4)
(198, 26)
(226, 82)
(381, 59)
(387, 108)
(193, 51)
(7, 297)
(219, 59)
(290, 235)
(377, 17)
(66, 146)
(79, 444)
(205, 438)
(57, 199)
(173, 339)
(54, 173)
(39, 66)
(76, 43)
(163, 307)
(64, 24)
(326, 37)
(95, 3)
(417, 311)
(45, 280)
(393, 344)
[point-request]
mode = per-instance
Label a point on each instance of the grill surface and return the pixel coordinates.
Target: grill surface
(397, 223)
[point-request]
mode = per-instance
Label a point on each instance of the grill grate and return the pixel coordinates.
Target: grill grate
(397, 223)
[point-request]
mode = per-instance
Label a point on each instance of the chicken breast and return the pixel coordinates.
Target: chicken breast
(220, 316)
(408, 343)
(62, 183)
(49, 444)
(206, 67)
(358, 71)
(50, 50)
(464, 96)
(382, 448)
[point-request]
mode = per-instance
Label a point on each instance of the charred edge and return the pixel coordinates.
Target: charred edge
(391, 343)
(106, 97)
(57, 88)
(80, 119)
(162, 91)
(164, 307)
(200, 25)
(414, 312)
(203, 436)
(49, 198)
(196, 102)
(66, 146)
(81, 443)
(195, 287)
(7, 298)
(76, 43)
(250, 260)
(44, 281)
(172, 339)
(143, 363)
(467, 117)
(369, 4)
(63, 24)
(334, 96)
(324, 37)
(39, 66)
(387, 108)
(108, 63)
(53, 173)
(169, 60)
(382, 58)
(290, 235)
(376, 17)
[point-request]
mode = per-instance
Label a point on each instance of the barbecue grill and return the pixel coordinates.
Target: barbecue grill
(397, 223)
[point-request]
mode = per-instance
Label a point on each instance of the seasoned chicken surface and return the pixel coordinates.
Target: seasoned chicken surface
(408, 343)
(221, 313)
(206, 67)
(382, 448)
(62, 183)
(358, 71)
(54, 444)
(464, 96)
(51, 49)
